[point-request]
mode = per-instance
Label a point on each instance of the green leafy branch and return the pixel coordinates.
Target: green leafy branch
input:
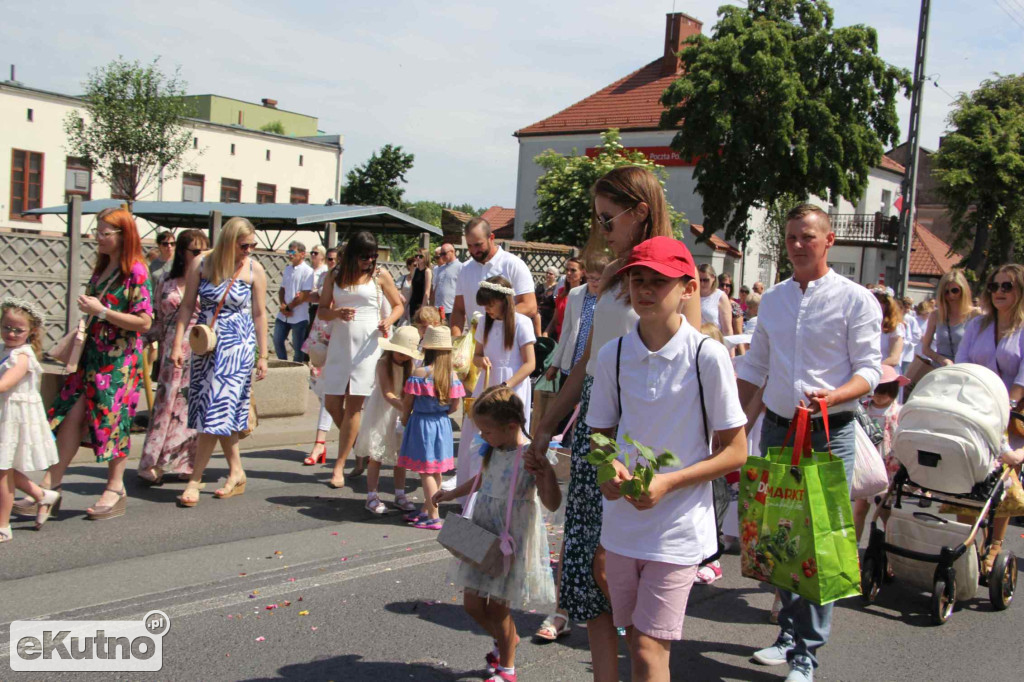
(647, 464)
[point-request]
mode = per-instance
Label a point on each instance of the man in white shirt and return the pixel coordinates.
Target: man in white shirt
(293, 297)
(446, 280)
(317, 257)
(488, 260)
(819, 338)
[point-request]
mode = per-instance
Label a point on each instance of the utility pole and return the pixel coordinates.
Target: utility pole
(909, 193)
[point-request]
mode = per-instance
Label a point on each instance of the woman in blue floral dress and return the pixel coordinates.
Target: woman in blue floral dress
(101, 397)
(219, 392)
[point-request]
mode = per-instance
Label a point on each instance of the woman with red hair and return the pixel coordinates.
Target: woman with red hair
(101, 396)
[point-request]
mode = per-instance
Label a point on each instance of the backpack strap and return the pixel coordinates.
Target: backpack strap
(618, 388)
(700, 390)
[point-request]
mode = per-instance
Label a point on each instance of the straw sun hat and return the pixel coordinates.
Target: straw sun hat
(406, 341)
(437, 338)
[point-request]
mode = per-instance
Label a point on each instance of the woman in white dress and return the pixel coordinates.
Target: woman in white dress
(352, 300)
(714, 304)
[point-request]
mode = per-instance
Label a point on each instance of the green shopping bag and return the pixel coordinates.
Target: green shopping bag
(795, 519)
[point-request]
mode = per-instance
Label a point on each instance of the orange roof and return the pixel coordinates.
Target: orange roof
(890, 164)
(929, 255)
(501, 218)
(631, 103)
(716, 242)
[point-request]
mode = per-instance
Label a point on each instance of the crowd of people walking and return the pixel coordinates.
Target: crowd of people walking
(629, 358)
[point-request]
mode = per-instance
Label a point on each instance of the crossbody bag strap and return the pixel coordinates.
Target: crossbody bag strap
(380, 297)
(110, 280)
(508, 543)
(223, 298)
(700, 390)
(618, 388)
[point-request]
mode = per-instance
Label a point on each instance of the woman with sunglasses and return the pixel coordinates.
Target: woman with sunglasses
(101, 396)
(945, 330)
(354, 299)
(628, 207)
(419, 292)
(996, 340)
(170, 445)
(231, 286)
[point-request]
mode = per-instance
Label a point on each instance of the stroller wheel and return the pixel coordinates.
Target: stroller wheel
(1002, 580)
(943, 601)
(870, 580)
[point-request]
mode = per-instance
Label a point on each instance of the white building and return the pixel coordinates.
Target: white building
(226, 163)
(866, 246)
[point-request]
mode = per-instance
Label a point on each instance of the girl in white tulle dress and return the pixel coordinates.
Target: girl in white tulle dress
(26, 442)
(507, 468)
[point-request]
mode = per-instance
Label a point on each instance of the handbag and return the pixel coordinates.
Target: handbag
(796, 521)
(253, 420)
(869, 475)
(919, 368)
(489, 553)
(68, 350)
(203, 339)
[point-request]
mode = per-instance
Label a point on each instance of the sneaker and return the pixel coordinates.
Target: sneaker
(799, 672)
(776, 653)
(493, 661)
(709, 573)
(502, 676)
(448, 484)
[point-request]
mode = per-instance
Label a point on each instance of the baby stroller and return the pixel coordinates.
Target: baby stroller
(949, 434)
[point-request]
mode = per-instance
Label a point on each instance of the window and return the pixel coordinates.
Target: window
(195, 143)
(300, 159)
(847, 270)
(122, 183)
(886, 202)
(230, 190)
(26, 183)
(299, 196)
(29, 115)
(232, 149)
(241, 118)
(192, 186)
(764, 269)
(265, 194)
(77, 179)
(268, 155)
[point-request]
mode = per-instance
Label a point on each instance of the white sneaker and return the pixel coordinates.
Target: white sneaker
(448, 484)
(774, 654)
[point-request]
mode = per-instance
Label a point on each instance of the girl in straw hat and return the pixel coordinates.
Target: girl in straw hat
(379, 436)
(431, 394)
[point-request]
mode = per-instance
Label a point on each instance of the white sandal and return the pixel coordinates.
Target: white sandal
(374, 505)
(552, 632)
(6, 534)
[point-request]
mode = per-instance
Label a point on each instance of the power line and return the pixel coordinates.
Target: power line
(1009, 14)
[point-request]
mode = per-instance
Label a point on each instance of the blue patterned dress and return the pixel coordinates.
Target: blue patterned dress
(218, 394)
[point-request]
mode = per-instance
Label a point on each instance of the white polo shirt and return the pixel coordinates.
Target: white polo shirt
(503, 263)
(661, 409)
(293, 280)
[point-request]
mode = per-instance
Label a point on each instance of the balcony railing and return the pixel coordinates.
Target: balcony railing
(865, 228)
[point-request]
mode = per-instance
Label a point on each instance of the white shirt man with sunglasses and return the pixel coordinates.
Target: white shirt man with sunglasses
(818, 337)
(293, 296)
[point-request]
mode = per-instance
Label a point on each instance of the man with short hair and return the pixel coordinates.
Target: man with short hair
(161, 265)
(294, 296)
(316, 259)
(446, 280)
(818, 339)
(758, 288)
(488, 260)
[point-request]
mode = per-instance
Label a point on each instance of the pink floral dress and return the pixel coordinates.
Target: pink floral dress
(170, 444)
(108, 373)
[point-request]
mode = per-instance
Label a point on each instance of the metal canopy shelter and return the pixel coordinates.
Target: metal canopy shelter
(297, 217)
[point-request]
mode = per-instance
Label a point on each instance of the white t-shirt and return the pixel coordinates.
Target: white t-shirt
(295, 279)
(318, 278)
(661, 409)
(887, 340)
(503, 263)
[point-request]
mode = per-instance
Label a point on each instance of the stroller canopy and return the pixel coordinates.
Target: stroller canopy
(974, 393)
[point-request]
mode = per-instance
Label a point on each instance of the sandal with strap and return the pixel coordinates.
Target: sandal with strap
(6, 534)
(990, 557)
(374, 505)
(185, 499)
(550, 631)
(230, 489)
(27, 506)
(48, 506)
(404, 503)
(109, 511)
(316, 459)
(156, 481)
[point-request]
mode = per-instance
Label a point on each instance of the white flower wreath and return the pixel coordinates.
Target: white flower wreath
(497, 287)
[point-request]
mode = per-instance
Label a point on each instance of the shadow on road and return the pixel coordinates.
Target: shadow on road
(352, 668)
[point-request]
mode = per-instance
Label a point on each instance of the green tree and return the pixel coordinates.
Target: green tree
(275, 127)
(132, 133)
(378, 181)
(563, 192)
(427, 211)
(980, 171)
(779, 102)
(773, 234)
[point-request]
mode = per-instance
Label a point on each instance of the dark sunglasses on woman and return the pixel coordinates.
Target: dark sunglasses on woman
(993, 287)
(953, 290)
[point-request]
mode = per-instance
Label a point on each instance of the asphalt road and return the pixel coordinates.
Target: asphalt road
(379, 605)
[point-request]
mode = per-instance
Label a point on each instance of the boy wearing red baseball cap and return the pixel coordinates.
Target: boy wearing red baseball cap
(648, 387)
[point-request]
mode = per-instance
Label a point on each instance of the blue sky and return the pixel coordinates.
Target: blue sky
(449, 80)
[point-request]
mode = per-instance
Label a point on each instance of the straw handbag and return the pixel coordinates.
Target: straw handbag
(489, 553)
(68, 350)
(469, 400)
(203, 338)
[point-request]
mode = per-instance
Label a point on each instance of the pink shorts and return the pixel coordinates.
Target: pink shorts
(649, 595)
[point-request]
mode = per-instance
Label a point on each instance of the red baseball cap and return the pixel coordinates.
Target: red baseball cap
(666, 255)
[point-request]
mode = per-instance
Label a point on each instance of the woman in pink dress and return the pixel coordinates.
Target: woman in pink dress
(170, 445)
